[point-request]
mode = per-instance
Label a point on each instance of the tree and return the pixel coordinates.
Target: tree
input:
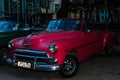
(63, 11)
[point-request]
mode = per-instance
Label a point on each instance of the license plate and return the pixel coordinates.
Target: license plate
(24, 64)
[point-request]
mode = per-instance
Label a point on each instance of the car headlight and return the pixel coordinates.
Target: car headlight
(10, 45)
(53, 48)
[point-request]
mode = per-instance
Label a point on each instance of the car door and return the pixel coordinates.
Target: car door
(92, 40)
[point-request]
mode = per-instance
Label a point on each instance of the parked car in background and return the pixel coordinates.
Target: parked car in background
(64, 44)
(10, 29)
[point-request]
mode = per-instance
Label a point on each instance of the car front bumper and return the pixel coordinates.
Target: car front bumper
(32, 59)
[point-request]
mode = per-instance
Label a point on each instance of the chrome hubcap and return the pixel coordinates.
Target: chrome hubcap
(109, 50)
(69, 66)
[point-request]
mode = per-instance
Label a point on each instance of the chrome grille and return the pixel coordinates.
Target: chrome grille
(30, 55)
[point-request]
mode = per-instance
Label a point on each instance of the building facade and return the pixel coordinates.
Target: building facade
(25, 9)
(94, 10)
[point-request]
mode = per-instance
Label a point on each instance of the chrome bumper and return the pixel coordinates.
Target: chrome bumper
(36, 66)
(38, 60)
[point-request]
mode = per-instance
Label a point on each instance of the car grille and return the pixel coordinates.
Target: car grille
(30, 55)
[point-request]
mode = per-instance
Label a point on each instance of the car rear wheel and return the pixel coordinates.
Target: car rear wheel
(69, 68)
(108, 50)
(3, 55)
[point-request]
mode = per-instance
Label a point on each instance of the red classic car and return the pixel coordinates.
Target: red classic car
(64, 44)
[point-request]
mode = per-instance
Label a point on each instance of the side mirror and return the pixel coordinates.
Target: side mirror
(88, 30)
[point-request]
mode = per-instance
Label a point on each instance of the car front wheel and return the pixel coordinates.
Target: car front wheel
(69, 68)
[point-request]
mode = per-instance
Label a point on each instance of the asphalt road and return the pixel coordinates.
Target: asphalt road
(99, 67)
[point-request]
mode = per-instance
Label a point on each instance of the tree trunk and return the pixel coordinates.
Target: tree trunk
(63, 12)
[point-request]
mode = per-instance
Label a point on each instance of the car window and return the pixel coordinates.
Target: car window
(64, 25)
(98, 26)
(8, 26)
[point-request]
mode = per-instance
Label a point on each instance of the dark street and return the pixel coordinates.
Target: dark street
(99, 67)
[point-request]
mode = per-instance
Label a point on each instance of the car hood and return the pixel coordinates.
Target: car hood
(50, 36)
(44, 38)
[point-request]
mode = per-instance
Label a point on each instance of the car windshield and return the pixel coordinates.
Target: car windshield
(8, 26)
(64, 25)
